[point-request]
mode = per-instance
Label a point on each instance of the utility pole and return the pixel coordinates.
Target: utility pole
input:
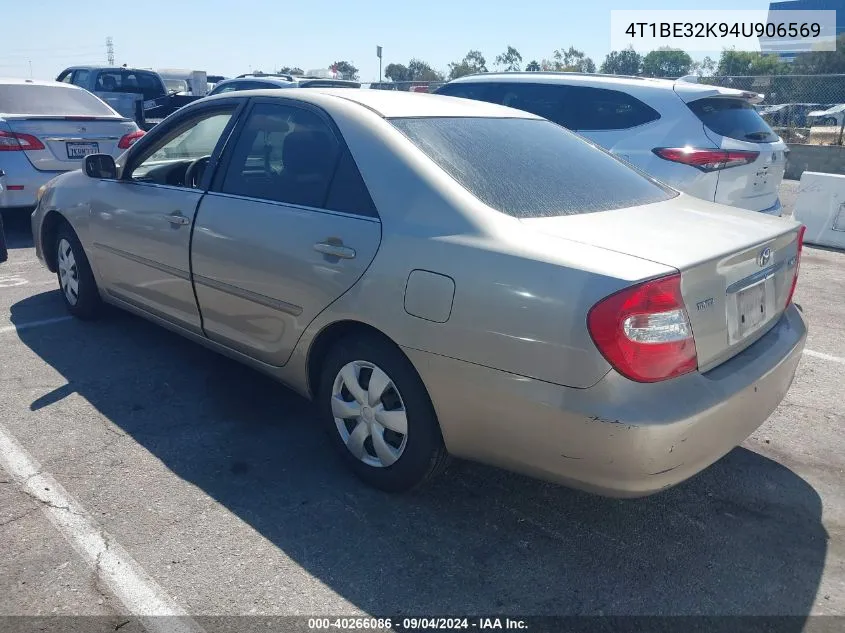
(30, 69)
(378, 54)
(110, 50)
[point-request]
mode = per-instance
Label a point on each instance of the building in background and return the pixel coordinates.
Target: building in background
(772, 46)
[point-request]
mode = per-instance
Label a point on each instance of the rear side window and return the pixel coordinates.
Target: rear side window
(51, 101)
(348, 193)
(130, 81)
(601, 109)
(528, 168)
(734, 118)
(574, 107)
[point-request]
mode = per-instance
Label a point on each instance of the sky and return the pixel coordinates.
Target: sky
(230, 37)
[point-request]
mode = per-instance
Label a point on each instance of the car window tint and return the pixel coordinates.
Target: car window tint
(479, 92)
(51, 101)
(348, 192)
(283, 154)
(169, 157)
(602, 109)
(550, 101)
(65, 77)
(734, 118)
(80, 77)
(130, 81)
(529, 168)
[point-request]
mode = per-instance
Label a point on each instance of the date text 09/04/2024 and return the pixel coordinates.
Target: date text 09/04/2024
(416, 624)
(724, 29)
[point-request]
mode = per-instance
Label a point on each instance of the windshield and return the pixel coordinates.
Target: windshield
(530, 168)
(51, 101)
(734, 118)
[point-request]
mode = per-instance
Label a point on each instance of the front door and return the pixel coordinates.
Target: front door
(287, 228)
(141, 224)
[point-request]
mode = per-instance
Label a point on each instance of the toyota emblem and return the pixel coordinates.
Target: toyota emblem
(764, 257)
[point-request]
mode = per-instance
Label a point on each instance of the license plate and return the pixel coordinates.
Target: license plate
(149, 104)
(751, 308)
(81, 150)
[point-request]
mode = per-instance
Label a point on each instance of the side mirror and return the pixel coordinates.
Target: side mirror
(100, 166)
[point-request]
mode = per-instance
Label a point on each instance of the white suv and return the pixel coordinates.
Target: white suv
(704, 140)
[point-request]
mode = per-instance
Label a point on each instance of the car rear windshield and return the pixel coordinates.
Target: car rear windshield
(734, 118)
(50, 101)
(530, 168)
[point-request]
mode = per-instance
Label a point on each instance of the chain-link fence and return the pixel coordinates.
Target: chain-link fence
(800, 108)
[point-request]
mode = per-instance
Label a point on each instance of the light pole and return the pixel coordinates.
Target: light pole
(378, 54)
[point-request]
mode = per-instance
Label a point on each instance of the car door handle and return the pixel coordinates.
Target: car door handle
(177, 218)
(335, 250)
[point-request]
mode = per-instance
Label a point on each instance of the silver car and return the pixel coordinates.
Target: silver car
(443, 277)
(47, 128)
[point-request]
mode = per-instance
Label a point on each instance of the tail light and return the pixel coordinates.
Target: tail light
(706, 159)
(797, 263)
(16, 142)
(128, 140)
(644, 331)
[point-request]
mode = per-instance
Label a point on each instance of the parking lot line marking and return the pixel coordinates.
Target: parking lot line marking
(112, 564)
(833, 359)
(25, 326)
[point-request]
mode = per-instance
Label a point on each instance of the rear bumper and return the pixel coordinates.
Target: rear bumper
(617, 438)
(19, 172)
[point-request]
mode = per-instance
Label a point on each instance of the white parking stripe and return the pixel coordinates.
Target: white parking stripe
(833, 359)
(25, 326)
(139, 593)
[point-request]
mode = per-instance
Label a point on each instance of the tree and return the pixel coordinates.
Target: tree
(667, 62)
(472, 63)
(346, 70)
(419, 70)
(732, 62)
(397, 72)
(290, 70)
(822, 62)
(533, 66)
(704, 68)
(570, 60)
(627, 62)
(510, 59)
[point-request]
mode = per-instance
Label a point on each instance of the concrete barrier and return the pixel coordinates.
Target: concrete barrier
(828, 159)
(821, 208)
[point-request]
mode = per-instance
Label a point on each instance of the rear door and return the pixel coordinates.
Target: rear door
(732, 123)
(61, 124)
(288, 227)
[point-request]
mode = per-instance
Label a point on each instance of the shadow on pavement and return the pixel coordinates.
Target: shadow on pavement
(16, 223)
(744, 537)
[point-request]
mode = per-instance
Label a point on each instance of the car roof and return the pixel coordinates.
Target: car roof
(389, 103)
(273, 81)
(11, 81)
(688, 90)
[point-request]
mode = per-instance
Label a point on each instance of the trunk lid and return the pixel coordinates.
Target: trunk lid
(67, 140)
(736, 267)
(731, 123)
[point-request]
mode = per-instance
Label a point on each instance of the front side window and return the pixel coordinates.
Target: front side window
(80, 78)
(284, 154)
(530, 168)
(167, 160)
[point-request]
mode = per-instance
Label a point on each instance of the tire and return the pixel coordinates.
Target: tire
(381, 456)
(76, 281)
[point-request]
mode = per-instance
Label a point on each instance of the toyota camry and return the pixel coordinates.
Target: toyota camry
(443, 277)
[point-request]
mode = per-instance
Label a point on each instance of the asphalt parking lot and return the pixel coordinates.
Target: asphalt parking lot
(213, 486)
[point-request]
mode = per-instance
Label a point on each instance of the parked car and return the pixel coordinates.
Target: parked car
(263, 81)
(47, 128)
(704, 140)
(136, 93)
(828, 116)
(443, 276)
